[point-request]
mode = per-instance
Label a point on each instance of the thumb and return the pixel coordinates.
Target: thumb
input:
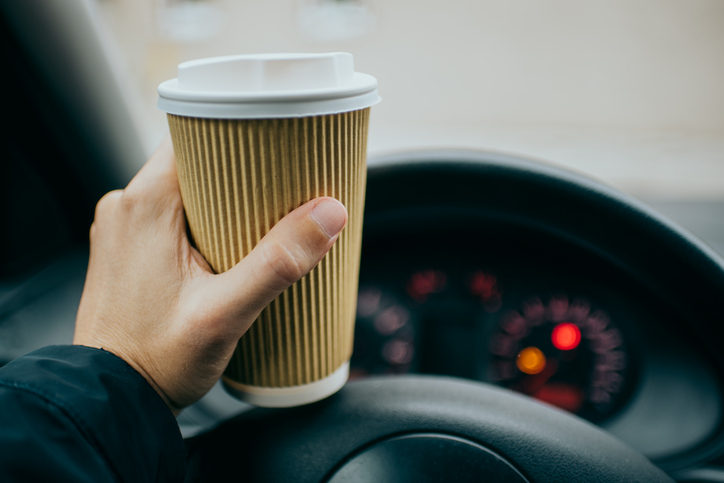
(291, 249)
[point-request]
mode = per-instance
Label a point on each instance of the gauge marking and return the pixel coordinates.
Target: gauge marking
(384, 340)
(368, 301)
(534, 312)
(391, 320)
(485, 287)
(503, 345)
(426, 282)
(398, 351)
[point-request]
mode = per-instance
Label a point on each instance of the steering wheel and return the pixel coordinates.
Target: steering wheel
(424, 428)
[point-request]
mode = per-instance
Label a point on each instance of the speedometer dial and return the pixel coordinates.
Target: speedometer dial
(564, 352)
(384, 341)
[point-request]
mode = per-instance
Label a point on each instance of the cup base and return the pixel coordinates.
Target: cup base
(286, 397)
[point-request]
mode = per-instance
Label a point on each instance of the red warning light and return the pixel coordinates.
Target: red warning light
(566, 336)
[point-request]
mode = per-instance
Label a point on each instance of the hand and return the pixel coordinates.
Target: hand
(151, 298)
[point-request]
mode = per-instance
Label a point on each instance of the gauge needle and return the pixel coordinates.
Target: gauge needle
(531, 384)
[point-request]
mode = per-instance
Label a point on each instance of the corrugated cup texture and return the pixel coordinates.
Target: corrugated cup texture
(240, 177)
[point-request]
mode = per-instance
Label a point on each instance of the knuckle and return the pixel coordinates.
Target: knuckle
(284, 263)
(131, 198)
(107, 202)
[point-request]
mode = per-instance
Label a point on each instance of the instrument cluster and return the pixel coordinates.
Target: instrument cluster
(555, 342)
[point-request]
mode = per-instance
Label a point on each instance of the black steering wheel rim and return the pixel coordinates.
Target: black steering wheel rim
(313, 443)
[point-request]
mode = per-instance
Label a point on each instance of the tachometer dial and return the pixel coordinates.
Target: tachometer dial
(563, 352)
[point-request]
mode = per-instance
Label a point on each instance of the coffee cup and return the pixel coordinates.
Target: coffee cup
(255, 137)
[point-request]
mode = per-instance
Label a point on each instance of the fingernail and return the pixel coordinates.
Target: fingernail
(330, 215)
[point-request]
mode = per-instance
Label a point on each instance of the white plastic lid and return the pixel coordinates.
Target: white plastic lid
(268, 86)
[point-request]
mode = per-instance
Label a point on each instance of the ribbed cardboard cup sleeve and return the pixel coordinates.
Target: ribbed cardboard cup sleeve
(240, 177)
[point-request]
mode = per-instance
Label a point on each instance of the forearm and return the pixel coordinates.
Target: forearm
(73, 413)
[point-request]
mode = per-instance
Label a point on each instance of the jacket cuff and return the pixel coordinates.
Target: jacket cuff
(114, 406)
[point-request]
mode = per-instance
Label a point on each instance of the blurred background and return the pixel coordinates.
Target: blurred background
(628, 91)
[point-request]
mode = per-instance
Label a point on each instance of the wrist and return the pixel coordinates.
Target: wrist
(175, 410)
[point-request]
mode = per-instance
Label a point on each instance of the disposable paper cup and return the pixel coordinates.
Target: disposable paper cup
(256, 137)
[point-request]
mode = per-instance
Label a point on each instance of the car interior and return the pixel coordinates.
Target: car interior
(562, 328)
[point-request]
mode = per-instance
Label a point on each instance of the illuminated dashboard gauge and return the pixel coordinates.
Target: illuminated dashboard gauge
(384, 338)
(563, 352)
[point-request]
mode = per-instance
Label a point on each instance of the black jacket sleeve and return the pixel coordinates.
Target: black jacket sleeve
(73, 413)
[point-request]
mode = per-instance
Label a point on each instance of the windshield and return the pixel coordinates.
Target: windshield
(627, 92)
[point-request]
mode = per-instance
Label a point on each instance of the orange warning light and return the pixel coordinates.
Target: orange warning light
(531, 360)
(566, 336)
